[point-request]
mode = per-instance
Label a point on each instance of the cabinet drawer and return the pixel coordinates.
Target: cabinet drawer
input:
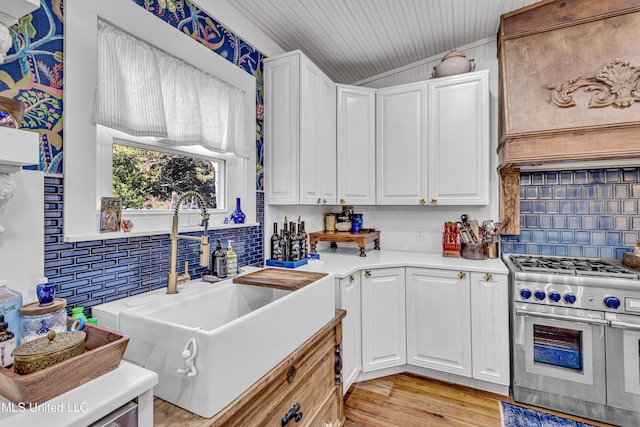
(310, 394)
(329, 414)
(295, 374)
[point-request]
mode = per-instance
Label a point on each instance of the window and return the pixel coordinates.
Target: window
(88, 148)
(150, 179)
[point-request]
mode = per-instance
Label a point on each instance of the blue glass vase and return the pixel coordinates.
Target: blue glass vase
(238, 216)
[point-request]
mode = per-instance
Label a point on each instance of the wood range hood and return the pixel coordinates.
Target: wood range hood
(569, 91)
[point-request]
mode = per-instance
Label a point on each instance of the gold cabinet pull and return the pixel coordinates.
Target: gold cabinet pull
(462, 275)
(367, 274)
(352, 278)
(319, 201)
(342, 201)
(433, 202)
(324, 201)
(488, 277)
(422, 202)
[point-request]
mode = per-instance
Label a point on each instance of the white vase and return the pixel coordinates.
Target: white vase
(452, 63)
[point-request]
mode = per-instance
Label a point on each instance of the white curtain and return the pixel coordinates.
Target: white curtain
(145, 92)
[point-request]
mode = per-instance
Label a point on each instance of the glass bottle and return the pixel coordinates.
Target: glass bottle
(238, 216)
(287, 241)
(304, 245)
(7, 343)
(275, 242)
(295, 243)
(219, 262)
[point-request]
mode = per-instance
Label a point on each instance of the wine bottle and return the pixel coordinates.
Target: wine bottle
(275, 242)
(287, 241)
(294, 242)
(304, 245)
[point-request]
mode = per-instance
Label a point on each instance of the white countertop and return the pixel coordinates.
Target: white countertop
(344, 261)
(84, 404)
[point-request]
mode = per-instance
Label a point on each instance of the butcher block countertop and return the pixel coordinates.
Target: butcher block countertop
(279, 278)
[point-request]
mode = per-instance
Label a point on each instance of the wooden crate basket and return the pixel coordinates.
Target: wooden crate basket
(104, 349)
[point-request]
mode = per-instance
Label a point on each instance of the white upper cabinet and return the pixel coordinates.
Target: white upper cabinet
(424, 143)
(458, 127)
(300, 132)
(401, 144)
(281, 116)
(433, 142)
(356, 145)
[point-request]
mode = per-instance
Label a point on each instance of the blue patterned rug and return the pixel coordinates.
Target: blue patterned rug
(518, 416)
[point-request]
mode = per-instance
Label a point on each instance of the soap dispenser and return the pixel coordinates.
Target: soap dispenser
(232, 261)
(219, 262)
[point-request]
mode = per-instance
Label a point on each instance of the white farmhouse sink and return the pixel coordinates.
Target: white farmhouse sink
(241, 333)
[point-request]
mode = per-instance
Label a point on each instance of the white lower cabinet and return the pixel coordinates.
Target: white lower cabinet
(439, 320)
(450, 321)
(383, 318)
(490, 327)
(348, 295)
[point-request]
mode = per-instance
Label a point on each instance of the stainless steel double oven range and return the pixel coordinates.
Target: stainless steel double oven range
(576, 336)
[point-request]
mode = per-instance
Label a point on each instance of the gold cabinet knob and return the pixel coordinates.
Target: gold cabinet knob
(319, 201)
(367, 274)
(342, 201)
(433, 202)
(488, 277)
(352, 278)
(462, 275)
(422, 202)
(324, 201)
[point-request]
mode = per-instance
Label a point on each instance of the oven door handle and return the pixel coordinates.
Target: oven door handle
(586, 320)
(624, 325)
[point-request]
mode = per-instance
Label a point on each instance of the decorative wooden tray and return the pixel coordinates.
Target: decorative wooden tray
(631, 260)
(104, 349)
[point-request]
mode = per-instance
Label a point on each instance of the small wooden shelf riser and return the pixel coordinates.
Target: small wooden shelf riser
(361, 239)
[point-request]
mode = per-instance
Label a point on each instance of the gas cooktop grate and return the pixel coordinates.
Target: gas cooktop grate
(571, 266)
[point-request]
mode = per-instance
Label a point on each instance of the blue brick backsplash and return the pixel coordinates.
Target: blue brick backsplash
(584, 213)
(99, 271)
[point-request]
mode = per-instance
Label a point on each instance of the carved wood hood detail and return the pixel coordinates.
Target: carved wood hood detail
(617, 84)
(560, 46)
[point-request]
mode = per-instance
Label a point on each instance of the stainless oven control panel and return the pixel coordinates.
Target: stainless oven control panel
(589, 298)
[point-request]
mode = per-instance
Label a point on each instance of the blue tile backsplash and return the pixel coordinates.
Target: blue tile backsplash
(588, 213)
(99, 271)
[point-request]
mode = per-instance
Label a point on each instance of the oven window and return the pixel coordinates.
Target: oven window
(558, 347)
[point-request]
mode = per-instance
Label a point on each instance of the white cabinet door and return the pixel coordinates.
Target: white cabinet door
(300, 132)
(490, 327)
(317, 136)
(356, 145)
(401, 149)
(459, 140)
(349, 295)
(438, 320)
(383, 319)
(281, 115)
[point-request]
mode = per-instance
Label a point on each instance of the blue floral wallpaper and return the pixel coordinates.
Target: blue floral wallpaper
(33, 69)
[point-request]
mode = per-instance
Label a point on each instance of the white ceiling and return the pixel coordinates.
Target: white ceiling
(352, 40)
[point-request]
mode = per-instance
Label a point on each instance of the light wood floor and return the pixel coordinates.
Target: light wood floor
(402, 400)
(405, 400)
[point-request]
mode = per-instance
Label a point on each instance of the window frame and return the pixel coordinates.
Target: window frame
(83, 160)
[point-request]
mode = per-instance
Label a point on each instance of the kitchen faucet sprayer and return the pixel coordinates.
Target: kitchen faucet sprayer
(173, 279)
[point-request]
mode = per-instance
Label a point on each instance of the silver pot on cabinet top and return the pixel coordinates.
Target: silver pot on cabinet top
(452, 63)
